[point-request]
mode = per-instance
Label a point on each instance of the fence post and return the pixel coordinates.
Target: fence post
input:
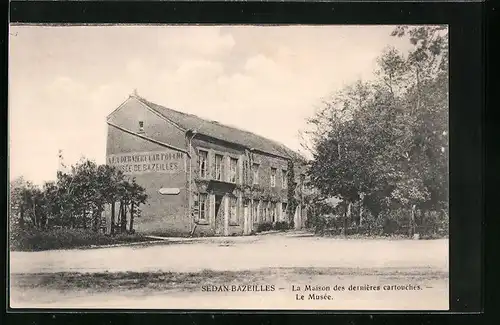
(347, 217)
(412, 221)
(112, 217)
(361, 215)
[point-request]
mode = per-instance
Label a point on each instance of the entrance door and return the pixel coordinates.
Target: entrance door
(219, 215)
(247, 221)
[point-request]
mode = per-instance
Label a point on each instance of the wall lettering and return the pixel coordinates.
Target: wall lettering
(169, 161)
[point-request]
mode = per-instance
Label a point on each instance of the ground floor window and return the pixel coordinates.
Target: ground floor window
(273, 211)
(233, 210)
(266, 211)
(203, 207)
(255, 211)
(283, 210)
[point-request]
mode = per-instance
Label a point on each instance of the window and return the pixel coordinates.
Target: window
(203, 163)
(283, 209)
(255, 211)
(233, 170)
(245, 176)
(273, 177)
(141, 126)
(233, 210)
(273, 212)
(203, 207)
(284, 178)
(219, 167)
(255, 170)
(266, 211)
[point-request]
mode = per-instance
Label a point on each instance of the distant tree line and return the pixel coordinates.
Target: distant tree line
(381, 147)
(77, 200)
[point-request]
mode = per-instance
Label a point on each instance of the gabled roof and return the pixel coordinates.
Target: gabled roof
(223, 132)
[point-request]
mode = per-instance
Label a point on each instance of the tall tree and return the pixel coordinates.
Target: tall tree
(386, 141)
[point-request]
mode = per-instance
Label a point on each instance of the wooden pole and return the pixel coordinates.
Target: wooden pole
(123, 217)
(21, 216)
(112, 217)
(412, 220)
(131, 227)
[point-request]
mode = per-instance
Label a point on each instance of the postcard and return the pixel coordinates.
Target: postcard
(228, 167)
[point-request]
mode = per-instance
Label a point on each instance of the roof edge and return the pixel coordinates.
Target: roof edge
(283, 147)
(149, 139)
(144, 102)
(118, 108)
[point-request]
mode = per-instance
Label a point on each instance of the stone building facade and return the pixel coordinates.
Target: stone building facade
(202, 178)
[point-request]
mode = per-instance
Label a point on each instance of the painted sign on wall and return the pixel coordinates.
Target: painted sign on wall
(168, 161)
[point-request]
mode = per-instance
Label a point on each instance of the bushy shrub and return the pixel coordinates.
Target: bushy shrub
(434, 224)
(265, 226)
(37, 240)
(389, 222)
(281, 225)
(174, 233)
(322, 223)
(395, 221)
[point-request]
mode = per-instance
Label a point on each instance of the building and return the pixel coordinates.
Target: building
(202, 178)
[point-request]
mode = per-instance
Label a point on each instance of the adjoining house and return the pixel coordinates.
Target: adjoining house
(201, 177)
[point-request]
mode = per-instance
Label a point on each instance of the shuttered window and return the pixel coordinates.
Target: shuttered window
(203, 166)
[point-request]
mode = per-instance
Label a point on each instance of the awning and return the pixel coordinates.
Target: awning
(220, 187)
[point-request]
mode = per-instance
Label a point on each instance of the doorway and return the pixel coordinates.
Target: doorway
(219, 215)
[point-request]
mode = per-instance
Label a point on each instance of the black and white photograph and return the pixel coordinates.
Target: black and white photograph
(228, 167)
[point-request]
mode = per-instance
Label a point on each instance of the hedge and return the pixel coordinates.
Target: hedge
(36, 240)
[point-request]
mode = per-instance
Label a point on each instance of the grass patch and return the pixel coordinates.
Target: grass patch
(168, 233)
(192, 281)
(36, 240)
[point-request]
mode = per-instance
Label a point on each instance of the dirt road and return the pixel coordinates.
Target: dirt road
(240, 253)
(385, 274)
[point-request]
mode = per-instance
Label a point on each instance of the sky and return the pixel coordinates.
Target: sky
(65, 80)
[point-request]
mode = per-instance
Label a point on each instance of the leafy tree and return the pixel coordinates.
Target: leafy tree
(384, 143)
(76, 199)
(292, 202)
(21, 197)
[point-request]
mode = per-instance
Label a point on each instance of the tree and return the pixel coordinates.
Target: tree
(292, 202)
(384, 143)
(20, 194)
(137, 196)
(76, 199)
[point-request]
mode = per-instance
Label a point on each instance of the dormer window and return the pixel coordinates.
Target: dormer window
(141, 126)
